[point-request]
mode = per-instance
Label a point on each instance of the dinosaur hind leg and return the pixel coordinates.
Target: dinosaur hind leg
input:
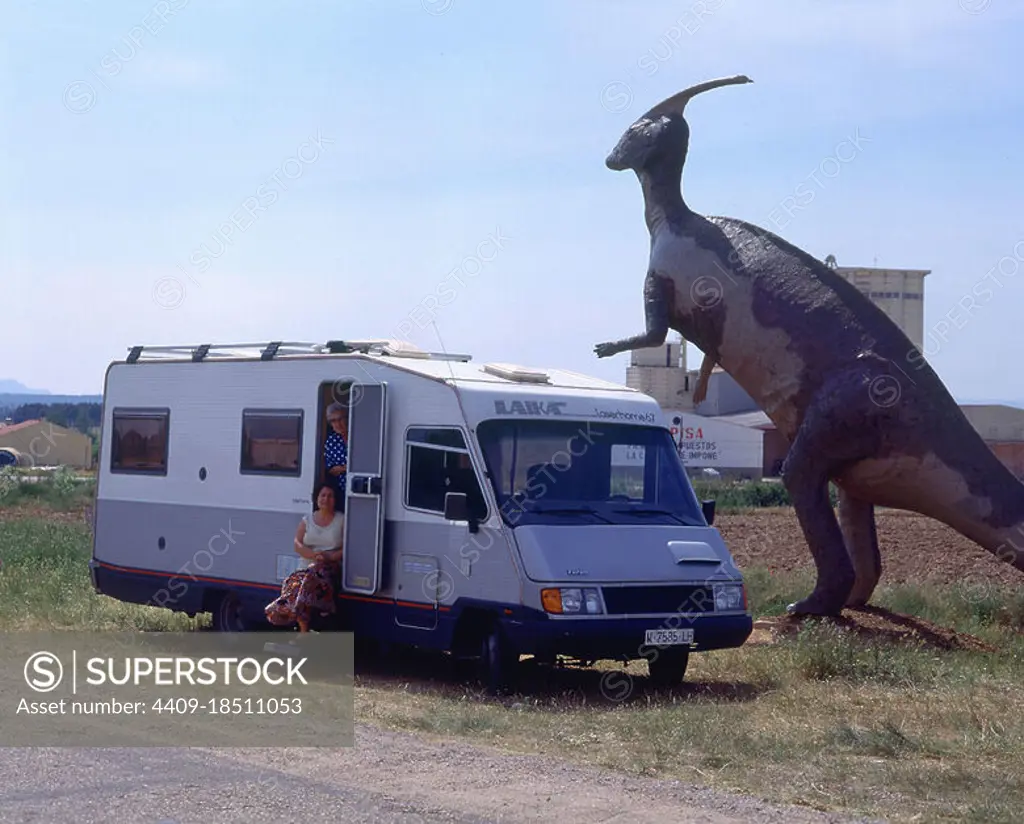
(857, 522)
(807, 482)
(832, 436)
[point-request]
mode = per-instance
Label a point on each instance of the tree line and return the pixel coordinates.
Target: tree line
(80, 416)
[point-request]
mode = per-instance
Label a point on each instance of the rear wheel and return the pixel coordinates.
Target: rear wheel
(668, 668)
(229, 614)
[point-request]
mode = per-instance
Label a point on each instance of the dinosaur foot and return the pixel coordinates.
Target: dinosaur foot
(604, 350)
(818, 604)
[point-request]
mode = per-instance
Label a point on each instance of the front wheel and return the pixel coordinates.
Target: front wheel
(499, 662)
(669, 667)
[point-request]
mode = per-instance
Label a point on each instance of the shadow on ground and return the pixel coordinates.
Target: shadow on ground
(427, 672)
(879, 624)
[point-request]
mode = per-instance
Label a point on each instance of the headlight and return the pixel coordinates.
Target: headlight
(572, 601)
(729, 597)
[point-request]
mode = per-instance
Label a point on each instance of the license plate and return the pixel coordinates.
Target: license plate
(668, 637)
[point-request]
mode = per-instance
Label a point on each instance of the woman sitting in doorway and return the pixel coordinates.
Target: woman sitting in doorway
(319, 540)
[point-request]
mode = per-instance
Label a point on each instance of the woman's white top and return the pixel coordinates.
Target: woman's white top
(322, 538)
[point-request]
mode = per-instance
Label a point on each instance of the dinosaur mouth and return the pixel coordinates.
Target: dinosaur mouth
(615, 163)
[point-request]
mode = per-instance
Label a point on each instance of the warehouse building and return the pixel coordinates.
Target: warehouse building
(42, 443)
(663, 373)
(1002, 427)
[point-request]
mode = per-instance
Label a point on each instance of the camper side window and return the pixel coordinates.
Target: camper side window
(271, 442)
(437, 462)
(138, 441)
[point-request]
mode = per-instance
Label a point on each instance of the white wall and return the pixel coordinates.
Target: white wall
(706, 442)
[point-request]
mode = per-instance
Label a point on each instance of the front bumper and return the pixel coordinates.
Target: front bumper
(622, 638)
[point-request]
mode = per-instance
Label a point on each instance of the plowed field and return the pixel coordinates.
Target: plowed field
(914, 549)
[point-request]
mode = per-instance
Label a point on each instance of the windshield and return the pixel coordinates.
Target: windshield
(572, 472)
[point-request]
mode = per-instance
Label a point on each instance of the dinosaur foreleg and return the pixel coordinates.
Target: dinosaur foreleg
(857, 522)
(700, 391)
(658, 293)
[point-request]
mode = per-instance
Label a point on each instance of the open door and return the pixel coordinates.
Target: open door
(364, 491)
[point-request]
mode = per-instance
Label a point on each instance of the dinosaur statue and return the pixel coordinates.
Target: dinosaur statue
(855, 400)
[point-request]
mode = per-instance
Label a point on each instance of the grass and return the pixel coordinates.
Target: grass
(59, 490)
(735, 495)
(44, 583)
(822, 719)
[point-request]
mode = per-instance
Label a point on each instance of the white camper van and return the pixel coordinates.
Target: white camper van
(491, 510)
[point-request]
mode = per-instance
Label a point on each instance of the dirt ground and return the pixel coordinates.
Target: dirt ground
(914, 549)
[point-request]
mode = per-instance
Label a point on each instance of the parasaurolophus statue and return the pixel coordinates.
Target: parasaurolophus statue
(857, 403)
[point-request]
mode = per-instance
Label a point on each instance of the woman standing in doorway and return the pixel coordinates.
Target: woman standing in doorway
(336, 452)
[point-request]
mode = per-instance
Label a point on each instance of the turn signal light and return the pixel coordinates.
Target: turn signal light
(551, 599)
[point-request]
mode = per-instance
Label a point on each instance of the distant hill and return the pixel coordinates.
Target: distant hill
(9, 399)
(990, 402)
(12, 387)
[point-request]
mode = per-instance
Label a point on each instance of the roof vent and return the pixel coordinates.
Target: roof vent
(403, 349)
(514, 372)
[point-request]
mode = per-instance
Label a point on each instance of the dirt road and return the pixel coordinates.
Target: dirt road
(386, 777)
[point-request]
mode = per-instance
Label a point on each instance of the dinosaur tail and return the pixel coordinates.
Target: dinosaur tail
(962, 484)
(983, 501)
(1006, 542)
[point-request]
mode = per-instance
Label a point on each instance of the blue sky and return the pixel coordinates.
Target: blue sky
(388, 152)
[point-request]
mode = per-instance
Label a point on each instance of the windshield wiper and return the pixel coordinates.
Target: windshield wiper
(650, 510)
(569, 510)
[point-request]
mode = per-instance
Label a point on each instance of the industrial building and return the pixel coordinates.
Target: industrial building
(738, 437)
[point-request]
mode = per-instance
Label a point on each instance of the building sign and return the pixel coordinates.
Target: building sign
(706, 442)
(627, 454)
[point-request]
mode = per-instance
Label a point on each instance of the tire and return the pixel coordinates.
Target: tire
(229, 615)
(669, 667)
(499, 662)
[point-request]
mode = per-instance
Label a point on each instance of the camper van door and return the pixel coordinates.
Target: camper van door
(364, 491)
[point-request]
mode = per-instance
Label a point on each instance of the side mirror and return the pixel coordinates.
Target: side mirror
(456, 508)
(708, 508)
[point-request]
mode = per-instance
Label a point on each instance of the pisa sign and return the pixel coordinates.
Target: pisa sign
(706, 442)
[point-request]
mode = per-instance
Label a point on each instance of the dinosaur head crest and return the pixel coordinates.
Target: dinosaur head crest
(662, 129)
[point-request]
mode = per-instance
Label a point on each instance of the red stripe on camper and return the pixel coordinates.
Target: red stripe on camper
(156, 574)
(389, 601)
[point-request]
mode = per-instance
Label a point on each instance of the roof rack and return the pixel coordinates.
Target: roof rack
(269, 350)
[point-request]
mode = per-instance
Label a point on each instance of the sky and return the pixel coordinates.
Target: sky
(184, 172)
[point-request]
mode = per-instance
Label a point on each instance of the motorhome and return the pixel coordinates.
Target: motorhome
(492, 511)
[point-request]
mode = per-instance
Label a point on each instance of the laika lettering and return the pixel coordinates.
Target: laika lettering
(529, 407)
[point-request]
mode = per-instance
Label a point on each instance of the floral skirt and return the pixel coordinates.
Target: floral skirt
(303, 592)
